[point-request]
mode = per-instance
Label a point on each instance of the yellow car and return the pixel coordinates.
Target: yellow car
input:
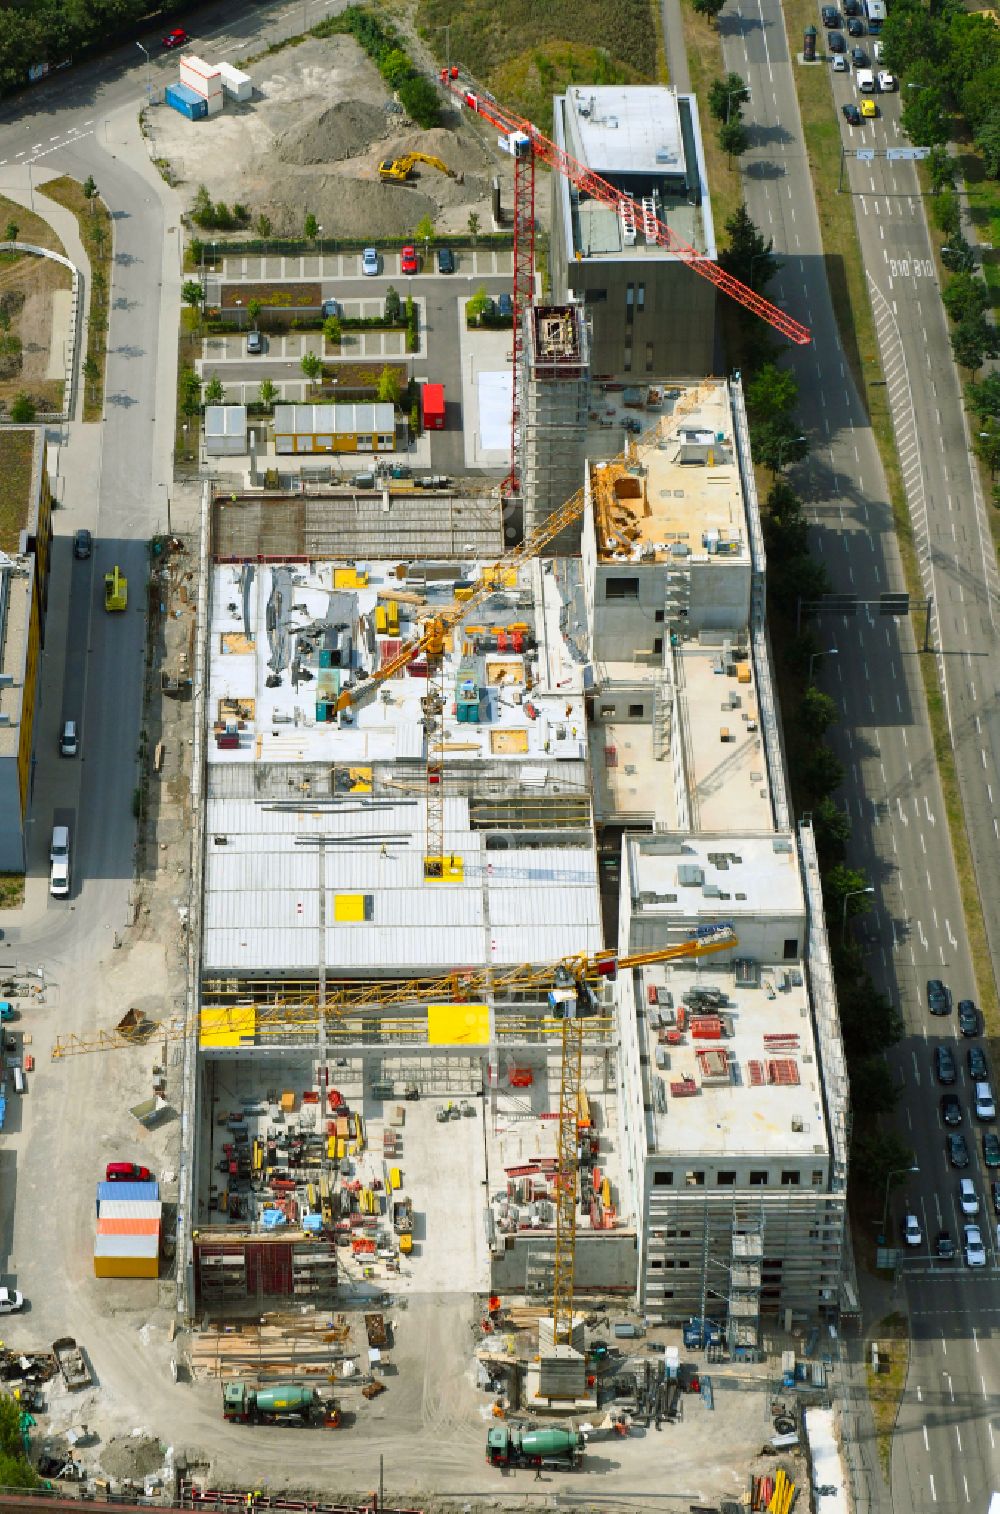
(869, 109)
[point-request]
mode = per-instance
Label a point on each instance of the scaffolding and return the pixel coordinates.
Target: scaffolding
(555, 415)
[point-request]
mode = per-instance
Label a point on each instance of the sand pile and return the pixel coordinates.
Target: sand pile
(132, 1457)
(342, 131)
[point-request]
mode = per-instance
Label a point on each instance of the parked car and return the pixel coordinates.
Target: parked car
(331, 307)
(951, 1109)
(69, 741)
(878, 51)
(975, 1251)
(983, 1101)
(446, 260)
(869, 110)
(830, 15)
(59, 845)
(59, 879)
(976, 1059)
(840, 64)
(887, 82)
(836, 43)
(851, 114)
(505, 306)
(968, 1198)
(912, 1233)
(177, 38)
(83, 543)
(369, 261)
(855, 28)
(10, 1300)
(255, 343)
(944, 1065)
(938, 997)
(127, 1172)
(852, 7)
(991, 1148)
(995, 1197)
(968, 1017)
(408, 261)
(958, 1151)
(944, 1246)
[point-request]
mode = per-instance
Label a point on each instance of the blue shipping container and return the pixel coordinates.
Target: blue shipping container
(126, 1191)
(186, 101)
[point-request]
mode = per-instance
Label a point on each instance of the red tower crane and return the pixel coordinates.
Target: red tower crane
(523, 140)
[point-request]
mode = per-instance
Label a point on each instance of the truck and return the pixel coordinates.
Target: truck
(521, 1446)
(72, 1363)
(432, 409)
(281, 1404)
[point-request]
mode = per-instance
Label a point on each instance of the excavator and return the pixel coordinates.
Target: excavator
(400, 170)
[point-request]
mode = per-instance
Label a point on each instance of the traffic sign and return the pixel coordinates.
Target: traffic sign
(907, 154)
(866, 155)
(894, 604)
(841, 604)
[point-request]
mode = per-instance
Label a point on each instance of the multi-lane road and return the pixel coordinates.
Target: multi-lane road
(944, 1451)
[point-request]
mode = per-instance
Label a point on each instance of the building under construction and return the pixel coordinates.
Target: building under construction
(428, 781)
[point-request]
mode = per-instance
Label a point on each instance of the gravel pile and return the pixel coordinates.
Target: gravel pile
(349, 207)
(132, 1457)
(342, 131)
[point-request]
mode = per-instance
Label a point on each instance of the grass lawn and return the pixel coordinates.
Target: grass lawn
(16, 451)
(95, 226)
(11, 890)
(704, 54)
(885, 1388)
(30, 227)
(984, 208)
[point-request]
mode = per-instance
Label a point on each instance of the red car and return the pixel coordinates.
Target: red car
(127, 1172)
(408, 260)
(177, 38)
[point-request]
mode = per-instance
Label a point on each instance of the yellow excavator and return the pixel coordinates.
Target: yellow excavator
(400, 170)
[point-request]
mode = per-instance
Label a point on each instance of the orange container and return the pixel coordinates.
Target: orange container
(128, 1227)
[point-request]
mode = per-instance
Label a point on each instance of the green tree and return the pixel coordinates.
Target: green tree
(987, 140)
(190, 391)
(870, 1022)
(984, 398)
(965, 297)
(972, 341)
(882, 1156)
(22, 410)
(100, 285)
(214, 391)
(254, 308)
(191, 293)
(395, 67)
(832, 829)
(733, 138)
(202, 210)
(777, 442)
(942, 168)
(267, 393)
(785, 525)
(91, 373)
(424, 229)
(923, 117)
(479, 303)
(817, 713)
(393, 306)
(772, 392)
(958, 256)
(473, 224)
(842, 883)
(419, 99)
(822, 772)
(748, 257)
(946, 214)
(262, 226)
(311, 226)
(332, 330)
(726, 95)
(389, 387)
(90, 191)
(872, 1088)
(987, 445)
(11, 231)
(312, 365)
(708, 8)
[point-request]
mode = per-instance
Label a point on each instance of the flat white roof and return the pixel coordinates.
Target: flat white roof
(339, 420)
(625, 129)
(705, 877)
(225, 420)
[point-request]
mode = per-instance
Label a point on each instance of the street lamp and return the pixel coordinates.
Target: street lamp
(851, 892)
(239, 313)
(732, 94)
(889, 1177)
(319, 237)
(146, 56)
(787, 441)
(830, 652)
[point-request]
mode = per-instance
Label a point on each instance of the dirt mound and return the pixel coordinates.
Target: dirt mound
(343, 131)
(132, 1456)
(355, 207)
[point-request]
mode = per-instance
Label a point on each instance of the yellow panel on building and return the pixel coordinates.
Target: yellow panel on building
(229, 1026)
(458, 1024)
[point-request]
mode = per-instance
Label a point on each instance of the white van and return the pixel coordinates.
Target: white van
(18, 1080)
(865, 80)
(59, 849)
(984, 1105)
(59, 879)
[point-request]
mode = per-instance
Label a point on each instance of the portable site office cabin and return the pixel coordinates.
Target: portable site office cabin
(236, 84)
(432, 406)
(334, 428)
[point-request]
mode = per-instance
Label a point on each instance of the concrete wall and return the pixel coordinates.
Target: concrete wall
(606, 1260)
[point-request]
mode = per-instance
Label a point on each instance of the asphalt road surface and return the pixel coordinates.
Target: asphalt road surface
(944, 1453)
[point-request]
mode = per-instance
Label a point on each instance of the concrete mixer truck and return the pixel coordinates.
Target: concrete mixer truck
(520, 1446)
(281, 1404)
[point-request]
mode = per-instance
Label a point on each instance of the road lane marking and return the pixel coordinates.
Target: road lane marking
(933, 1489)
(965, 1485)
(975, 1339)
(927, 1444)
(958, 1437)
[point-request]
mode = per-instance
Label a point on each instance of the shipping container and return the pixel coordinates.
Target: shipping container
(215, 104)
(179, 97)
(122, 1191)
(237, 85)
(127, 1256)
(130, 1209)
(432, 406)
(204, 78)
(128, 1227)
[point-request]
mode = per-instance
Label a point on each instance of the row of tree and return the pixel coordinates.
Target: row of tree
(951, 60)
(55, 31)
